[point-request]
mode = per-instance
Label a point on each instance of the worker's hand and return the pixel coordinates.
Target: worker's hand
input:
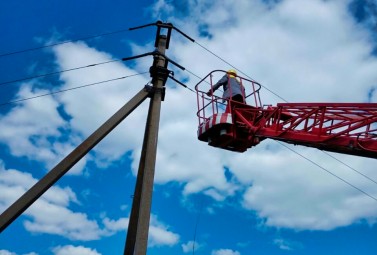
(209, 93)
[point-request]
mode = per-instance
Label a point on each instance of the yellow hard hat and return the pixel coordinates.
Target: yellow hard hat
(232, 71)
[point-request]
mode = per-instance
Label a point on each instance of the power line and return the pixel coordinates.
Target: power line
(64, 42)
(64, 90)
(182, 84)
(200, 78)
(57, 72)
(82, 67)
(324, 169)
(197, 76)
(222, 59)
(350, 167)
(196, 225)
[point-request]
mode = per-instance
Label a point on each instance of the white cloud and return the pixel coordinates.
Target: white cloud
(5, 252)
(287, 245)
(36, 129)
(161, 6)
(65, 222)
(190, 246)
(32, 129)
(283, 245)
(299, 196)
(74, 250)
(225, 252)
(292, 52)
(159, 233)
(160, 236)
(124, 207)
(116, 225)
(55, 201)
(72, 225)
(98, 103)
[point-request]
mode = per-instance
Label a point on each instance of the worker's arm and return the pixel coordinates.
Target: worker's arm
(221, 82)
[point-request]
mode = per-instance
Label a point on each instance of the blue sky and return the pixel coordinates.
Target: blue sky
(267, 200)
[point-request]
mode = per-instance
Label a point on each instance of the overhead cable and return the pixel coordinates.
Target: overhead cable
(64, 42)
(324, 169)
(350, 167)
(196, 225)
(222, 59)
(64, 90)
(57, 72)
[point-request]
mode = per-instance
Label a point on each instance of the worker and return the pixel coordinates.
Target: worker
(232, 87)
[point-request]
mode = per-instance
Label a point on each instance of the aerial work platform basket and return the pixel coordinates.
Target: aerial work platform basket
(215, 113)
(348, 128)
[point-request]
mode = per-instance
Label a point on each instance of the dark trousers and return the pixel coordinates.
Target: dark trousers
(236, 98)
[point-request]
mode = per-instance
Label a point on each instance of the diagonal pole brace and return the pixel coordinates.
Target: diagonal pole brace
(28, 198)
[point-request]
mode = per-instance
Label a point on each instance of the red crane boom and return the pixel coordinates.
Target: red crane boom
(348, 128)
